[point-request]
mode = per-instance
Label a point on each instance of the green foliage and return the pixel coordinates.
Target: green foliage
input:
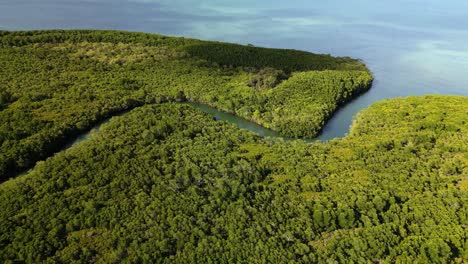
(56, 84)
(165, 183)
(287, 60)
(301, 105)
(5, 97)
(22, 38)
(267, 78)
(168, 184)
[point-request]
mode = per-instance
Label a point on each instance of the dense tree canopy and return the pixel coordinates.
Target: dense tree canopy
(166, 183)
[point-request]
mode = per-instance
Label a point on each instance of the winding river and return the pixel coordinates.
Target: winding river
(246, 124)
(217, 114)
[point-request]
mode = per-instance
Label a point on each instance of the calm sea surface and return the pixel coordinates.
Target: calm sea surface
(413, 47)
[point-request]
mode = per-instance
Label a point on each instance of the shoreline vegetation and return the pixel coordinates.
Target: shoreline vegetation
(166, 183)
(57, 84)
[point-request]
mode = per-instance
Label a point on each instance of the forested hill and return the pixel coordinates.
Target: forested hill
(56, 84)
(168, 184)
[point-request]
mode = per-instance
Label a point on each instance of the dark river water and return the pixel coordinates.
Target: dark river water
(413, 47)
